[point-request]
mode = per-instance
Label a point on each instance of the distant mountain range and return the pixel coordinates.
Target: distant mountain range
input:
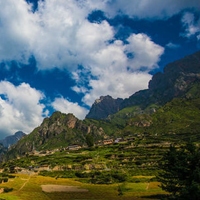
(169, 109)
(8, 141)
(12, 139)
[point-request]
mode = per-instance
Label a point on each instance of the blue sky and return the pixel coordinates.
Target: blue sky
(62, 55)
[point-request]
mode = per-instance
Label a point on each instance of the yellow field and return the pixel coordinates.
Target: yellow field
(27, 187)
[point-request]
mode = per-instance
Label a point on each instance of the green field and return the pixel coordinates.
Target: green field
(28, 187)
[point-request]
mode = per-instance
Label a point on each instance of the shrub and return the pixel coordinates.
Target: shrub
(6, 189)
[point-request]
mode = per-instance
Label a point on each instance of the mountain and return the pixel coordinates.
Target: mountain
(169, 110)
(58, 131)
(175, 81)
(12, 139)
(103, 107)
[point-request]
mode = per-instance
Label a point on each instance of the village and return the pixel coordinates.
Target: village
(75, 147)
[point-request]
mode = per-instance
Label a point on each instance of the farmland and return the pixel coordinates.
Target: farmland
(124, 170)
(27, 187)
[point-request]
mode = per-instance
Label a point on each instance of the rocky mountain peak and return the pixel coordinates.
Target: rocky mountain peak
(19, 134)
(103, 107)
(58, 119)
(103, 98)
(186, 68)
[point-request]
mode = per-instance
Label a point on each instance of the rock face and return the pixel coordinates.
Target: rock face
(12, 139)
(103, 107)
(176, 80)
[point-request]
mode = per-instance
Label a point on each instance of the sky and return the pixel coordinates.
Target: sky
(63, 54)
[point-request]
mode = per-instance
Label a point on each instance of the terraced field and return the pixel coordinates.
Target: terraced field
(119, 171)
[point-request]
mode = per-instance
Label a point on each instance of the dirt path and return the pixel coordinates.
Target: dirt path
(147, 186)
(27, 180)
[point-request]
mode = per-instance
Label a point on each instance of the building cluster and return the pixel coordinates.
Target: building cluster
(107, 141)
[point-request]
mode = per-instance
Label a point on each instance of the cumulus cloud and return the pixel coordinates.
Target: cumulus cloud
(16, 29)
(146, 53)
(65, 106)
(58, 34)
(192, 27)
(20, 108)
(118, 74)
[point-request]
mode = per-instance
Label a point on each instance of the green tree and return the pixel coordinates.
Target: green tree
(90, 140)
(180, 172)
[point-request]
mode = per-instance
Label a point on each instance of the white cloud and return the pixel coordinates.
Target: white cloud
(65, 106)
(172, 45)
(146, 52)
(149, 8)
(117, 85)
(192, 27)
(58, 34)
(16, 29)
(20, 108)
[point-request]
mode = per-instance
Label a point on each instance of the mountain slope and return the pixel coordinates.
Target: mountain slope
(176, 120)
(58, 131)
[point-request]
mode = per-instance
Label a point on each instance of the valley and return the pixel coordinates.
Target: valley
(113, 153)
